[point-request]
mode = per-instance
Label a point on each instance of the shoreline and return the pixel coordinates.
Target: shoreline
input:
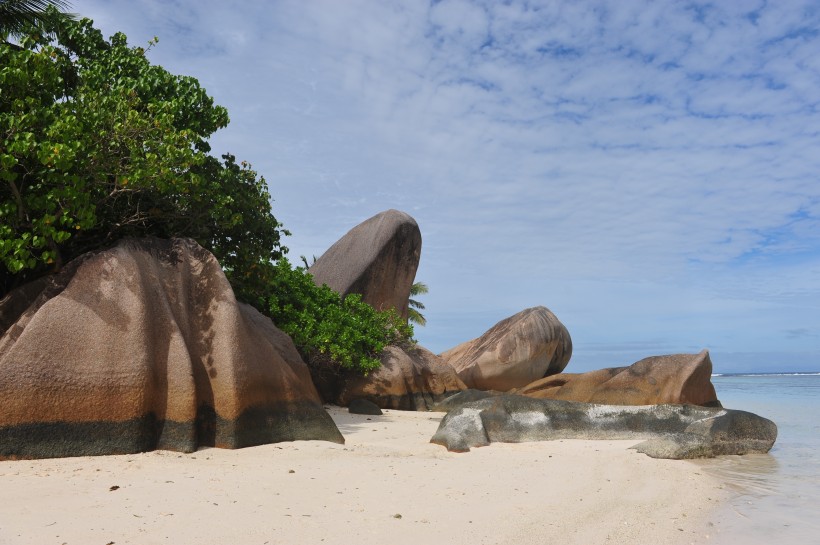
(387, 483)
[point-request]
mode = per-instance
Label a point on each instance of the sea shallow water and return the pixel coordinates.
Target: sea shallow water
(775, 497)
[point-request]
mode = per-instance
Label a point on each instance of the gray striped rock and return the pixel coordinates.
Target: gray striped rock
(668, 431)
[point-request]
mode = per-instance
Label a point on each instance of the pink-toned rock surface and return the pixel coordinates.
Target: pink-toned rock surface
(143, 346)
(412, 380)
(376, 259)
(513, 353)
(678, 378)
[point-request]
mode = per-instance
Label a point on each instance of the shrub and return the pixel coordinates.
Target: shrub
(330, 330)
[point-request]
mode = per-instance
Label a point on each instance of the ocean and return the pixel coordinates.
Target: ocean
(775, 497)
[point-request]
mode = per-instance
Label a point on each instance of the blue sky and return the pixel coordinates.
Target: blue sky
(647, 170)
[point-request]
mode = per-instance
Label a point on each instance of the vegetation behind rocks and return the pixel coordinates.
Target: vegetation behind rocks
(97, 144)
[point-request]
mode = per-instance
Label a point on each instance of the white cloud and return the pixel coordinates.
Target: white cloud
(595, 157)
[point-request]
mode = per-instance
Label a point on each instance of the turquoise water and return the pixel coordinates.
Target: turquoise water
(775, 496)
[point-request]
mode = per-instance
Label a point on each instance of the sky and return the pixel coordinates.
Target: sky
(649, 171)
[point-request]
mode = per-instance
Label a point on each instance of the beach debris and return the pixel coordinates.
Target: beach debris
(670, 431)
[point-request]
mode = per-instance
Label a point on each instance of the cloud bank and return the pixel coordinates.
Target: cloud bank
(647, 170)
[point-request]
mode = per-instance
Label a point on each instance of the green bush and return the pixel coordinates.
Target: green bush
(330, 330)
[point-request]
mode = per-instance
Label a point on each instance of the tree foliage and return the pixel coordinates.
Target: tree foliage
(414, 307)
(96, 143)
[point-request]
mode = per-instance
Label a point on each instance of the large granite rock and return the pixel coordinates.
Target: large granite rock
(377, 259)
(514, 352)
(678, 378)
(410, 380)
(670, 431)
(144, 347)
(463, 397)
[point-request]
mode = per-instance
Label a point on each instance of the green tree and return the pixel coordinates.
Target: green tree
(413, 306)
(19, 16)
(96, 143)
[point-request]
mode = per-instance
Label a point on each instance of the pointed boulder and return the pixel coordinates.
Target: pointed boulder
(376, 259)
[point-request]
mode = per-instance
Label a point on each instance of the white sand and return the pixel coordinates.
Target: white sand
(567, 492)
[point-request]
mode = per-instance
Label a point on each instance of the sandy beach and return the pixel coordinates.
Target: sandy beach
(386, 484)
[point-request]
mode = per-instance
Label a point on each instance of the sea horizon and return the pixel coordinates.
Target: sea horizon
(767, 374)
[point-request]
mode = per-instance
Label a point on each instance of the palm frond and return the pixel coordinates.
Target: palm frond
(16, 16)
(416, 317)
(413, 315)
(419, 288)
